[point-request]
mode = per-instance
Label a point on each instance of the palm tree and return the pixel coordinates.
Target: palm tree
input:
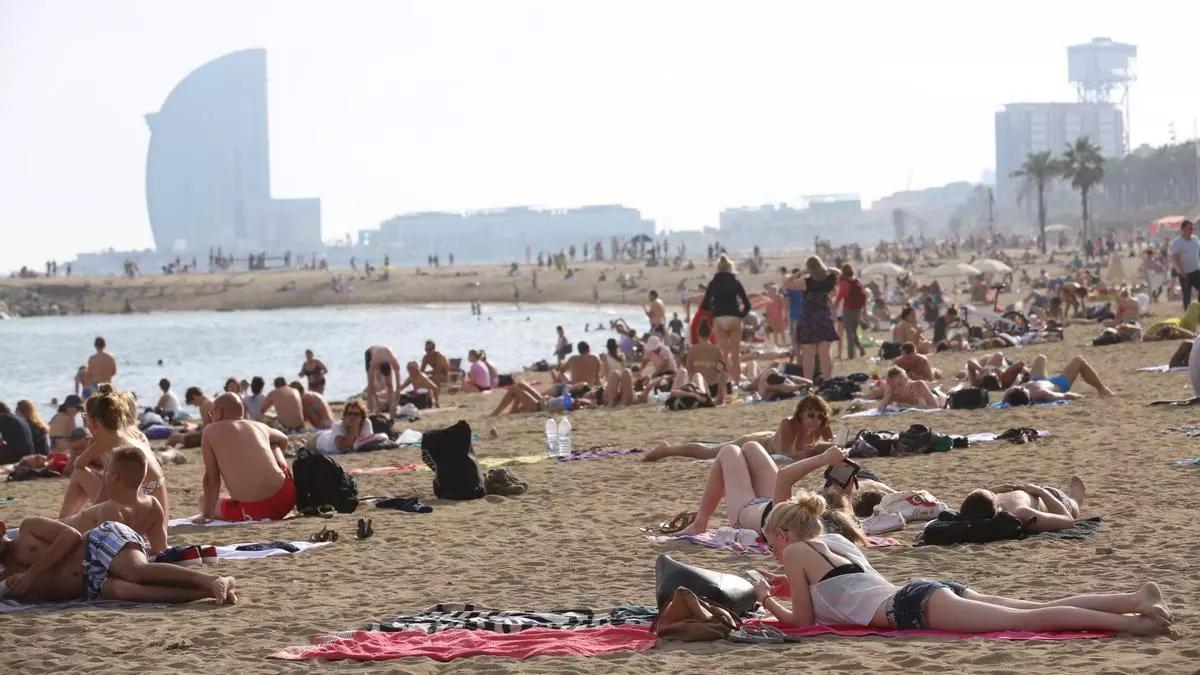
(1038, 170)
(1083, 165)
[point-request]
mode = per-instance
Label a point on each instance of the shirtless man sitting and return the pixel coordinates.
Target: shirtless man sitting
(195, 397)
(582, 371)
(1041, 388)
(316, 409)
(994, 373)
(435, 363)
(289, 409)
(49, 561)
(383, 369)
(101, 367)
(916, 365)
(248, 457)
(1040, 509)
(127, 502)
(418, 380)
(900, 390)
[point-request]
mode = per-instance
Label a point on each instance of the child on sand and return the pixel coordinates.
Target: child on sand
(127, 502)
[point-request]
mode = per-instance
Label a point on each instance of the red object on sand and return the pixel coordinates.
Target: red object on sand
(457, 643)
(694, 331)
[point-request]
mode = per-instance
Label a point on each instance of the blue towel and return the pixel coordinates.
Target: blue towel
(999, 405)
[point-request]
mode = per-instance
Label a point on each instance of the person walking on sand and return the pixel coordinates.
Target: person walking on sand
(727, 300)
(815, 327)
(101, 367)
(1185, 257)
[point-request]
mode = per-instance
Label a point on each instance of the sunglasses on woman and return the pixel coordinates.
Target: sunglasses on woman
(814, 415)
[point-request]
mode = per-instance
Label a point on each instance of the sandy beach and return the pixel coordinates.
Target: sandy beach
(573, 540)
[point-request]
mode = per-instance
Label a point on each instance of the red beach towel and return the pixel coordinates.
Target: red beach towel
(456, 644)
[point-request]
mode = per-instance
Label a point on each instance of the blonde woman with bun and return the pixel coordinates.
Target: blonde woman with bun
(829, 582)
(726, 298)
(111, 417)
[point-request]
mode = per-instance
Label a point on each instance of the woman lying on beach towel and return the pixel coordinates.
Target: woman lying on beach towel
(353, 432)
(750, 483)
(804, 434)
(830, 582)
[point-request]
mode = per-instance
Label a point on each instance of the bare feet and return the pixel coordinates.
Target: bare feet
(222, 591)
(1106, 393)
(1151, 604)
(1076, 489)
(1144, 625)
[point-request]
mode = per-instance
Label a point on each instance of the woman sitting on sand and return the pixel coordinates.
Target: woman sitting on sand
(750, 483)
(830, 582)
(112, 419)
(804, 434)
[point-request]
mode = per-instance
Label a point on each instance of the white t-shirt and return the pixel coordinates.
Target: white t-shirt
(327, 443)
(253, 404)
(171, 404)
(1189, 253)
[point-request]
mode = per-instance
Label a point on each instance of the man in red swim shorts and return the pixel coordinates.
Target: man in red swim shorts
(246, 456)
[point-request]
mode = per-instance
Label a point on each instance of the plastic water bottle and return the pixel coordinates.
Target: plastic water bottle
(564, 438)
(567, 401)
(551, 437)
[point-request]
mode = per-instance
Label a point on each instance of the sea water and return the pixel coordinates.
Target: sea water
(39, 356)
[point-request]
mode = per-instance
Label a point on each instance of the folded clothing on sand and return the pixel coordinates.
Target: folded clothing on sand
(456, 644)
(597, 453)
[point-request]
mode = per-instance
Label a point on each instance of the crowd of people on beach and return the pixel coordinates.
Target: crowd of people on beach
(785, 341)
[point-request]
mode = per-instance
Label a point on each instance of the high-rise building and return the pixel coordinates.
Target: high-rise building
(208, 175)
(1023, 128)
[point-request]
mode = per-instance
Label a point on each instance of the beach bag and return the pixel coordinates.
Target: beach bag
(321, 481)
(727, 590)
(838, 389)
(874, 443)
(916, 440)
(951, 528)
(690, 618)
(382, 424)
(968, 398)
(889, 350)
(449, 453)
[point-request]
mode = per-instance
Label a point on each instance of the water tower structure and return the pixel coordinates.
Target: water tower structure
(1102, 71)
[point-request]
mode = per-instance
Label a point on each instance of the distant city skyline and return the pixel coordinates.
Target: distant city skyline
(678, 109)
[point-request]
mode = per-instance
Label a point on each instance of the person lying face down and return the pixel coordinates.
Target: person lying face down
(1040, 509)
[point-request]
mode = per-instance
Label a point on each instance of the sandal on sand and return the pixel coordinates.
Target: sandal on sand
(680, 522)
(365, 528)
(324, 535)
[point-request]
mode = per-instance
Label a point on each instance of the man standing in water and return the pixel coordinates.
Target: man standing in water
(314, 369)
(101, 368)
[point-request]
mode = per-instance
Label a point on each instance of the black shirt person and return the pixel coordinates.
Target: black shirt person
(18, 441)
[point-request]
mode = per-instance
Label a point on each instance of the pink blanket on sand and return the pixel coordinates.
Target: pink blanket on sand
(455, 644)
(862, 631)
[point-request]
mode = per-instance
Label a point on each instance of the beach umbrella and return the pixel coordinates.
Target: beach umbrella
(1059, 227)
(954, 270)
(882, 269)
(992, 265)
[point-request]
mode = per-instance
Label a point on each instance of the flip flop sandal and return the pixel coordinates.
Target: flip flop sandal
(365, 528)
(324, 535)
(681, 521)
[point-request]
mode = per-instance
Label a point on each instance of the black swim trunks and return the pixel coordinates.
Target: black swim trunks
(906, 608)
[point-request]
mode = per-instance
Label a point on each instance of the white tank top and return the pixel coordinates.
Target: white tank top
(849, 598)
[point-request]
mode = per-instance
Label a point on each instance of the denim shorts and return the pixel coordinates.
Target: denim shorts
(906, 608)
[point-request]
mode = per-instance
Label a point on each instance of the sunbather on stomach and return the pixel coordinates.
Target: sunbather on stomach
(804, 434)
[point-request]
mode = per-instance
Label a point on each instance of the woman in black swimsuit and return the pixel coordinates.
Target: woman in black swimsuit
(315, 370)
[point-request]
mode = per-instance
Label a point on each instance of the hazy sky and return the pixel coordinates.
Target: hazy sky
(676, 108)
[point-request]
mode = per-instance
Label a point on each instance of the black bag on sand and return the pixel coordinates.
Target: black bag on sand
(889, 350)
(916, 440)
(421, 399)
(731, 592)
(951, 528)
(320, 481)
(448, 452)
(838, 389)
(382, 424)
(968, 398)
(874, 443)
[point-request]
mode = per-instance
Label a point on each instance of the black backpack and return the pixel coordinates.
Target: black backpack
(951, 528)
(448, 452)
(968, 398)
(916, 440)
(421, 399)
(889, 350)
(320, 481)
(838, 389)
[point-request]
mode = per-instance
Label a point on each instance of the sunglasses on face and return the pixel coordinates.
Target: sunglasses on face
(814, 415)
(352, 414)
